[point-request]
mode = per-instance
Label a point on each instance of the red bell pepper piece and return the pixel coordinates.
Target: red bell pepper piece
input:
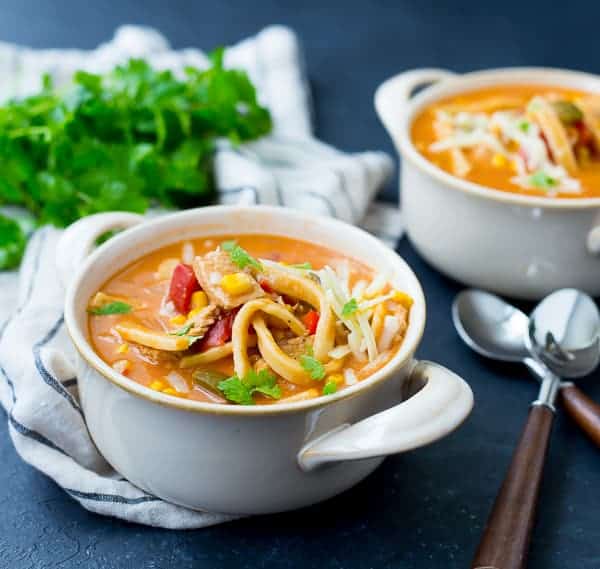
(183, 284)
(219, 333)
(585, 136)
(547, 144)
(265, 286)
(311, 320)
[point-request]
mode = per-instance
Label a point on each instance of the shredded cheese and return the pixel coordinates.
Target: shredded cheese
(391, 326)
(500, 132)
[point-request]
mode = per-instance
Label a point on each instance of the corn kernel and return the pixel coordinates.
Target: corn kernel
(199, 299)
(236, 283)
(157, 385)
(498, 160)
(178, 320)
(337, 378)
(123, 348)
(193, 313)
(169, 391)
(403, 299)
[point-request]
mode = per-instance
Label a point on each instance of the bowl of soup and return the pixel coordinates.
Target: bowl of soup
(249, 359)
(500, 180)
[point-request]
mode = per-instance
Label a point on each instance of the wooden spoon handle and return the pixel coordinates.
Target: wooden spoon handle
(584, 411)
(506, 538)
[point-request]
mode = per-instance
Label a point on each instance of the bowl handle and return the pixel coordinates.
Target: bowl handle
(80, 239)
(392, 96)
(440, 406)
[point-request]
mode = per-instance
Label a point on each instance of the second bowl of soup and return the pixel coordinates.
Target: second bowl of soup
(249, 360)
(501, 175)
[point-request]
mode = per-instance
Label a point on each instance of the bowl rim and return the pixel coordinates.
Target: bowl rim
(473, 80)
(403, 356)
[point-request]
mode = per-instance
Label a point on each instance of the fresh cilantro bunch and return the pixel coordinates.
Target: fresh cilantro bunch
(12, 243)
(121, 141)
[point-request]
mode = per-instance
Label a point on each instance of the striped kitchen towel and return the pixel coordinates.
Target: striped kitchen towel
(38, 387)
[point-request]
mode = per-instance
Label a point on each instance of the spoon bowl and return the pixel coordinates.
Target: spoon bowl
(564, 333)
(490, 326)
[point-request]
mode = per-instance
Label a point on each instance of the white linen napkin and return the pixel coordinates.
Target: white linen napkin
(38, 387)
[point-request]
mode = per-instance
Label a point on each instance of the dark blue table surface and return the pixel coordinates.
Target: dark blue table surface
(420, 510)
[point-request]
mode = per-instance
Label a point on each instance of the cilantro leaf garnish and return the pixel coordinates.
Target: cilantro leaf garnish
(329, 388)
(241, 390)
(183, 330)
(350, 307)
(542, 180)
(240, 256)
(313, 366)
(234, 390)
(273, 391)
(116, 307)
(12, 241)
(303, 266)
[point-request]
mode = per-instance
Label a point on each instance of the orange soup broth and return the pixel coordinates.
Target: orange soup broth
(138, 284)
(483, 172)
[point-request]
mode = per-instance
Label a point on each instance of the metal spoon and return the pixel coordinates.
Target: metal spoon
(565, 333)
(505, 541)
(498, 330)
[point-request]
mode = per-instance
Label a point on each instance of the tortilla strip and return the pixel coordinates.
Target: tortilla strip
(138, 334)
(590, 107)
(307, 290)
(282, 364)
(242, 322)
(460, 165)
(207, 356)
(545, 116)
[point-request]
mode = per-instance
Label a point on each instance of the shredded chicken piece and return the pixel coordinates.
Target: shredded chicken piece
(295, 347)
(211, 268)
(260, 365)
(154, 356)
(202, 321)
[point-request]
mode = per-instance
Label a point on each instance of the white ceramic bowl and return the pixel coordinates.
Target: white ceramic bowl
(238, 459)
(517, 245)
